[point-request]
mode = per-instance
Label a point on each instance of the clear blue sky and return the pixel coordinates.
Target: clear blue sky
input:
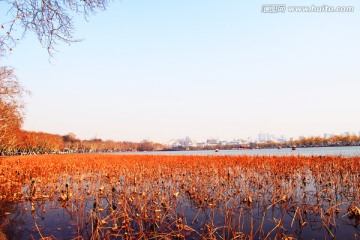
(163, 69)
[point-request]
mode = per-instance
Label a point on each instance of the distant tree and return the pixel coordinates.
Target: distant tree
(49, 20)
(39, 142)
(70, 137)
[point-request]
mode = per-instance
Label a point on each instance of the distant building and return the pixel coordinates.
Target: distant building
(233, 142)
(263, 137)
(212, 141)
(186, 142)
(282, 138)
(272, 138)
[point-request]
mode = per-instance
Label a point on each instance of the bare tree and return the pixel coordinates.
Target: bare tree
(50, 20)
(11, 106)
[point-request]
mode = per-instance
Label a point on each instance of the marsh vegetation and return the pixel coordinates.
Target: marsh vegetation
(179, 197)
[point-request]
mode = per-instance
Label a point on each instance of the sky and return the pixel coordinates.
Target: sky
(159, 70)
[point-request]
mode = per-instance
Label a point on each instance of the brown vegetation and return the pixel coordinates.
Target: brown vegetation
(28, 142)
(192, 197)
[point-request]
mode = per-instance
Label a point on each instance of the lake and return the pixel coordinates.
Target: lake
(315, 151)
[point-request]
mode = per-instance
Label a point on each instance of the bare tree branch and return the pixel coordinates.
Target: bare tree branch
(50, 20)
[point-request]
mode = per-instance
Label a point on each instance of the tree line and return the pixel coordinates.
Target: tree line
(30, 142)
(336, 140)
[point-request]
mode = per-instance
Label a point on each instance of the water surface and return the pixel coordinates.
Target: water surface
(315, 151)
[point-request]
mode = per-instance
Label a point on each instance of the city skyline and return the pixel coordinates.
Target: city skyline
(261, 138)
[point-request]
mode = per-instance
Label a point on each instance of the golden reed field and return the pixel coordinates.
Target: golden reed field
(179, 197)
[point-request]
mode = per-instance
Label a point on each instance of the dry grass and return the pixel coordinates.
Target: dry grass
(187, 197)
